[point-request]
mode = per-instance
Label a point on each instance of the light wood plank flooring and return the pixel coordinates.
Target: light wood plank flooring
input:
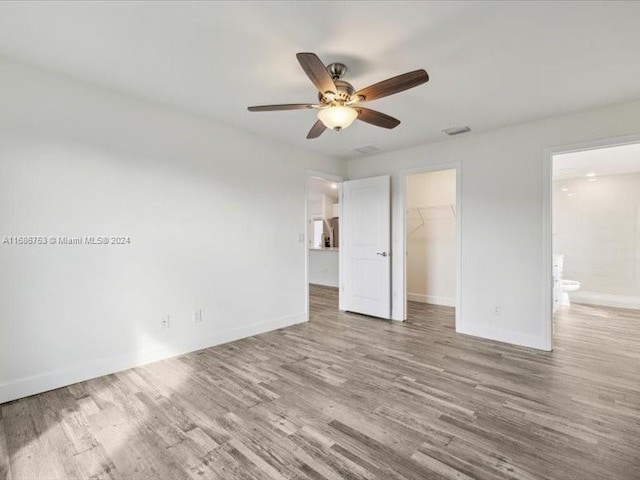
(349, 397)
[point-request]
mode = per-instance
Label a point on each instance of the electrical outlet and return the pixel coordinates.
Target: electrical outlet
(197, 316)
(497, 310)
(165, 322)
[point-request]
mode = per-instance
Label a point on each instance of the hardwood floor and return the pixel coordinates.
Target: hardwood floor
(349, 397)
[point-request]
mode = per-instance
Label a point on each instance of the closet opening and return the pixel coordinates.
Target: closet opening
(431, 242)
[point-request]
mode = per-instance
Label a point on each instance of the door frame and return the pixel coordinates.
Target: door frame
(457, 166)
(547, 218)
(332, 178)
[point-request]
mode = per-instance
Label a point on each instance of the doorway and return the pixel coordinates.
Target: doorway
(595, 232)
(322, 217)
(431, 239)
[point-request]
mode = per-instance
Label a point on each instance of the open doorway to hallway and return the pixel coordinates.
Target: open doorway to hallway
(596, 235)
(323, 234)
(431, 240)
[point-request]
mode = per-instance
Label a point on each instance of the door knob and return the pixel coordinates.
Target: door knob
(382, 254)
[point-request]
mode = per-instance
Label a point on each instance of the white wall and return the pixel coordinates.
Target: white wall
(431, 248)
(324, 267)
(327, 207)
(502, 205)
(596, 226)
(314, 210)
(199, 201)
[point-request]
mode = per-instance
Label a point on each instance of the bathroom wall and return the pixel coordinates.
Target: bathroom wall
(596, 226)
(431, 248)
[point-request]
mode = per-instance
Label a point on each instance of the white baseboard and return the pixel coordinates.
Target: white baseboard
(433, 300)
(48, 381)
(324, 282)
(506, 336)
(605, 299)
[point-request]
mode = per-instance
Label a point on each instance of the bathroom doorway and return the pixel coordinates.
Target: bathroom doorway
(431, 242)
(595, 232)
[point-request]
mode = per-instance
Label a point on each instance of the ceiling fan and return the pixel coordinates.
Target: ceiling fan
(339, 103)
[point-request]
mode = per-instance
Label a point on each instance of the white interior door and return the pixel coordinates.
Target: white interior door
(366, 240)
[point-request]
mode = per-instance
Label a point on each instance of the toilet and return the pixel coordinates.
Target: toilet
(568, 286)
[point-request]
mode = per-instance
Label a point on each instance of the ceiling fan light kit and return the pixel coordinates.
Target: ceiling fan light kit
(339, 103)
(338, 117)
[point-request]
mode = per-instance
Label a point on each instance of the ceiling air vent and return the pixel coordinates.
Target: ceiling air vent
(456, 130)
(367, 149)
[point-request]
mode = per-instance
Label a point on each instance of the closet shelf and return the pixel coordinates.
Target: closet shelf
(430, 213)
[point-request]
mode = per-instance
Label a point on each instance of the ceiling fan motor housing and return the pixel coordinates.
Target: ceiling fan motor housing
(336, 70)
(344, 89)
(344, 92)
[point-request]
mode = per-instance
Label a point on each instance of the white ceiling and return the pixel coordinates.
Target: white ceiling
(618, 160)
(491, 63)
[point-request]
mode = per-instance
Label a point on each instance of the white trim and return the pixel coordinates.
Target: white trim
(325, 176)
(504, 336)
(341, 255)
(605, 299)
(24, 387)
(547, 218)
(332, 178)
(431, 299)
(457, 166)
(547, 253)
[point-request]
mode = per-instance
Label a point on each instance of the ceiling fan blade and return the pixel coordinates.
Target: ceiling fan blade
(393, 85)
(285, 106)
(317, 72)
(378, 119)
(317, 130)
